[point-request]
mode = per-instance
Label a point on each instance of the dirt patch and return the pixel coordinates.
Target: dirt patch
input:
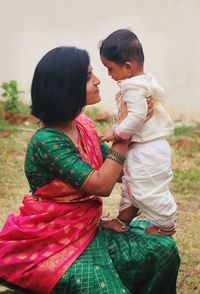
(5, 133)
(17, 118)
(185, 143)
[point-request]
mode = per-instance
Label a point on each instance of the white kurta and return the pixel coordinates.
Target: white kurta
(134, 92)
(147, 171)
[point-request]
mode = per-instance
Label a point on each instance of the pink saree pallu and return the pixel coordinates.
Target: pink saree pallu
(40, 244)
(53, 228)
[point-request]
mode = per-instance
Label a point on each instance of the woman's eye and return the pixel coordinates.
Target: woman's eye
(89, 76)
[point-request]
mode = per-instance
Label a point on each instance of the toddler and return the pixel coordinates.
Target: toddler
(147, 170)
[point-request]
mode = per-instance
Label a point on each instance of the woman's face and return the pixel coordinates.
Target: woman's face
(92, 90)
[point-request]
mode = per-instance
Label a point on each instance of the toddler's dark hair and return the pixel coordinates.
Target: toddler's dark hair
(121, 46)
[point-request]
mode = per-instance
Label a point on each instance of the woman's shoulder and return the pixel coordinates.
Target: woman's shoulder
(44, 136)
(46, 133)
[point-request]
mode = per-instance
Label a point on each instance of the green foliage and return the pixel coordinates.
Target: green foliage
(5, 125)
(2, 112)
(12, 95)
(185, 131)
(187, 181)
(92, 112)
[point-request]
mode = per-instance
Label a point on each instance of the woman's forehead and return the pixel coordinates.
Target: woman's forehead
(89, 68)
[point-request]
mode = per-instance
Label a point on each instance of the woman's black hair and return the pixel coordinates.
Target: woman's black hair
(58, 90)
(121, 46)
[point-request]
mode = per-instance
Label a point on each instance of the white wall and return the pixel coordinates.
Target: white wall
(168, 29)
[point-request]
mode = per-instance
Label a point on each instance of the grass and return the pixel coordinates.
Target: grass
(185, 187)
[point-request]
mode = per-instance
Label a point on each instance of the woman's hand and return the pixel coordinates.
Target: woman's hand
(150, 108)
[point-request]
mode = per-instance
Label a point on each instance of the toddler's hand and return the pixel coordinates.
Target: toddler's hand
(107, 136)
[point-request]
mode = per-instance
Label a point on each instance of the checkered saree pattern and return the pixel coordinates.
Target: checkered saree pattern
(131, 262)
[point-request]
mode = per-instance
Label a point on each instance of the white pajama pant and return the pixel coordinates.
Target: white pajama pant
(145, 184)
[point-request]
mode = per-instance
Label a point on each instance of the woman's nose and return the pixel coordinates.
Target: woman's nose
(96, 80)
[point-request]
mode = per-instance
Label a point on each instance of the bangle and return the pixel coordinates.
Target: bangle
(165, 229)
(115, 159)
(117, 155)
(115, 136)
(124, 226)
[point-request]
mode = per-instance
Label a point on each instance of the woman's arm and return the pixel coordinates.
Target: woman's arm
(60, 158)
(101, 182)
(57, 153)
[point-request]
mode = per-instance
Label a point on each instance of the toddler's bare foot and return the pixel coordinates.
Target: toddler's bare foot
(156, 231)
(114, 225)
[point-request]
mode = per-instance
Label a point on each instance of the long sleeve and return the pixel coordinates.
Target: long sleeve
(50, 155)
(135, 98)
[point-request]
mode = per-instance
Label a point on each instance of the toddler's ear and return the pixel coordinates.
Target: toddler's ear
(129, 68)
(129, 65)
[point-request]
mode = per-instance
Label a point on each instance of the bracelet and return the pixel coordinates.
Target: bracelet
(116, 138)
(115, 159)
(117, 155)
(122, 223)
(166, 229)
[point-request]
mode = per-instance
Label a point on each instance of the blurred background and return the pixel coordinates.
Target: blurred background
(168, 30)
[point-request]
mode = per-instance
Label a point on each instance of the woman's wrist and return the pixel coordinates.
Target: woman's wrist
(121, 146)
(116, 137)
(116, 156)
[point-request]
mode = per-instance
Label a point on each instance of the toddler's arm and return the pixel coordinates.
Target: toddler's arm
(134, 97)
(109, 135)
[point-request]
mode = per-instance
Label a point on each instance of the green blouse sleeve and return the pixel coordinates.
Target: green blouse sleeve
(60, 156)
(104, 149)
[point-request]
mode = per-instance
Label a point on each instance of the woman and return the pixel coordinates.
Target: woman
(55, 244)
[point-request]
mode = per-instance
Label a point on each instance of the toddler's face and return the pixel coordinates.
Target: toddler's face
(116, 71)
